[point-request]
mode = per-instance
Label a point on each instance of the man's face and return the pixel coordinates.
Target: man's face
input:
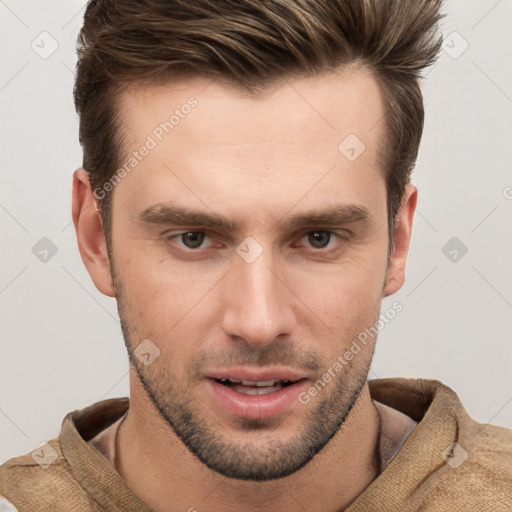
(276, 291)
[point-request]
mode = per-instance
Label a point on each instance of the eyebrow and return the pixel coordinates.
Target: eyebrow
(163, 213)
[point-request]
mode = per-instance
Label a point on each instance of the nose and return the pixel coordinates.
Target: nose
(258, 303)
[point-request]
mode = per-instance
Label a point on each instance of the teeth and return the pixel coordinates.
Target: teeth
(256, 391)
(260, 384)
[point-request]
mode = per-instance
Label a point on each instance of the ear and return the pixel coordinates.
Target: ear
(90, 234)
(395, 276)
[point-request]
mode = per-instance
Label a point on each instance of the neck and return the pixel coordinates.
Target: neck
(159, 468)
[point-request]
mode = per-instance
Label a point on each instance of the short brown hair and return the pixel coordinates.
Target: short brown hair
(252, 44)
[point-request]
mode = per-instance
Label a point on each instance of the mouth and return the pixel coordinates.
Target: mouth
(255, 393)
(264, 387)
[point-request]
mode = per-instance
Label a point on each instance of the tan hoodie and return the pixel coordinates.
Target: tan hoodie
(448, 463)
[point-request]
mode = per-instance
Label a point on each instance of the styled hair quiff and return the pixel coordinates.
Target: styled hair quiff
(252, 44)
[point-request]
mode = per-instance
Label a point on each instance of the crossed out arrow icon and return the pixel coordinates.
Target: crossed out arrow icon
(147, 352)
(41, 455)
(147, 355)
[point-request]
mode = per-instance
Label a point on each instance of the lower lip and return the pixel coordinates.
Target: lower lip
(256, 406)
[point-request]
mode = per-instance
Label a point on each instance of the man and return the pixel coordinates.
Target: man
(245, 195)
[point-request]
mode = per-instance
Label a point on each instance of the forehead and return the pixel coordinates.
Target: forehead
(332, 103)
(208, 138)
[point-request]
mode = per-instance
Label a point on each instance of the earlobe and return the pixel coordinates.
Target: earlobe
(90, 234)
(395, 276)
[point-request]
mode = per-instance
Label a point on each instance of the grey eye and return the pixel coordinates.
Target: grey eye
(192, 239)
(319, 239)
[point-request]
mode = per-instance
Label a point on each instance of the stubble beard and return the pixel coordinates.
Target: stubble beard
(268, 459)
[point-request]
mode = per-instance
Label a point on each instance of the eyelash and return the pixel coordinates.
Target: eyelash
(340, 238)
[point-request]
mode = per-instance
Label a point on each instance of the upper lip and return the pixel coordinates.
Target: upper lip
(257, 375)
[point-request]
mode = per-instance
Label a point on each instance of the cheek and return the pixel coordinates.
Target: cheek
(163, 286)
(168, 304)
(350, 285)
(342, 302)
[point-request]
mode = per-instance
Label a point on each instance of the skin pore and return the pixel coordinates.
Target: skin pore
(269, 168)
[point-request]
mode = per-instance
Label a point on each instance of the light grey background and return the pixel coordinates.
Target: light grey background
(61, 343)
